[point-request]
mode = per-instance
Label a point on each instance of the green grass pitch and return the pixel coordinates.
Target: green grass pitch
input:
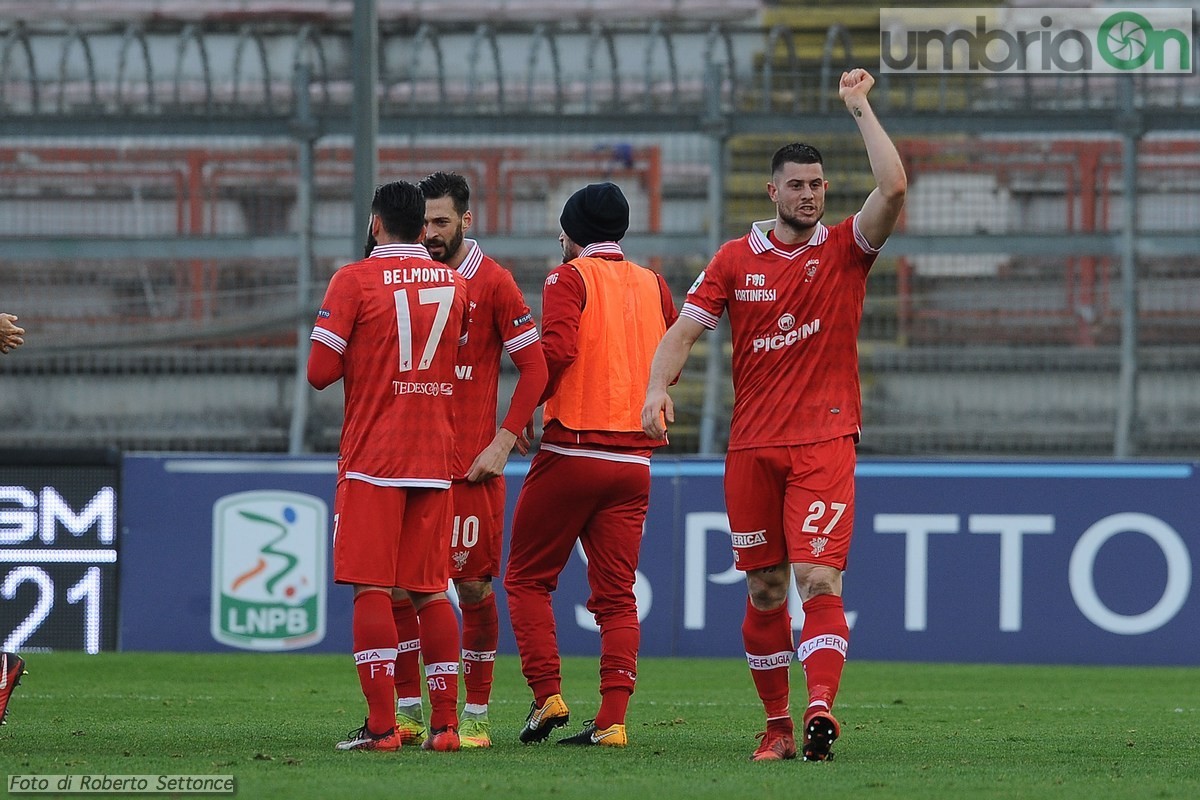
(908, 731)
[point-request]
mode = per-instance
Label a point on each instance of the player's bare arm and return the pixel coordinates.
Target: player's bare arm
(11, 335)
(517, 427)
(659, 410)
(490, 462)
(879, 213)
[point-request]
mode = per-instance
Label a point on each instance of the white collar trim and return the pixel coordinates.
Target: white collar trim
(761, 243)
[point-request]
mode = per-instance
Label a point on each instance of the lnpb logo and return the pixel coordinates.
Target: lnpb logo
(268, 584)
(1110, 39)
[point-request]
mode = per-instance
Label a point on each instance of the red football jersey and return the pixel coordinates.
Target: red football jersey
(795, 313)
(397, 319)
(500, 318)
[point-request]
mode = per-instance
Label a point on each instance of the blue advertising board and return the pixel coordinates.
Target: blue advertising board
(1087, 563)
(205, 538)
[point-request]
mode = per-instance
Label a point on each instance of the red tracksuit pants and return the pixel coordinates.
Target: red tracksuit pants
(602, 504)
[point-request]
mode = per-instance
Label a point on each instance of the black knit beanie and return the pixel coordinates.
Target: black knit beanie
(596, 213)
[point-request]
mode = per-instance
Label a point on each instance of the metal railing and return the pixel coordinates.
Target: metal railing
(551, 90)
(188, 70)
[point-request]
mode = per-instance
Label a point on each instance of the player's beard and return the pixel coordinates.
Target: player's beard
(448, 248)
(370, 244)
(569, 250)
(799, 224)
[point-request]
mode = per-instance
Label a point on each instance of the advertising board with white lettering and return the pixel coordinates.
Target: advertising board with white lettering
(988, 562)
(58, 550)
(979, 562)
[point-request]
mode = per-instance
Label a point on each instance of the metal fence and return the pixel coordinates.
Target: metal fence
(174, 194)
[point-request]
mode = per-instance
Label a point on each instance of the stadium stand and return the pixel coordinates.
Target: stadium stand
(620, 60)
(239, 190)
(229, 320)
(997, 186)
(389, 11)
(953, 344)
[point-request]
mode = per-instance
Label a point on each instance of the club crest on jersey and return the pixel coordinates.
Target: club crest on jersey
(818, 544)
(460, 559)
(787, 322)
(810, 268)
(268, 570)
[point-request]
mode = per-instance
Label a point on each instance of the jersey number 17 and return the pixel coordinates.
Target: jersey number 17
(443, 297)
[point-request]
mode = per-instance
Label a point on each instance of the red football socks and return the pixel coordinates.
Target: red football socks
(823, 641)
(440, 648)
(408, 656)
(768, 639)
(613, 705)
(374, 636)
(481, 632)
(618, 669)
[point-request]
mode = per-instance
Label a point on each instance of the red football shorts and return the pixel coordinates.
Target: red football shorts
(793, 503)
(477, 533)
(389, 536)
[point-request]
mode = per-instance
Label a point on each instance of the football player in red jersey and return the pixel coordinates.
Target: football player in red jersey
(390, 327)
(500, 321)
(794, 291)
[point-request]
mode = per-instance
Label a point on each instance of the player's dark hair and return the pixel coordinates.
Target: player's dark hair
(448, 184)
(401, 208)
(795, 153)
